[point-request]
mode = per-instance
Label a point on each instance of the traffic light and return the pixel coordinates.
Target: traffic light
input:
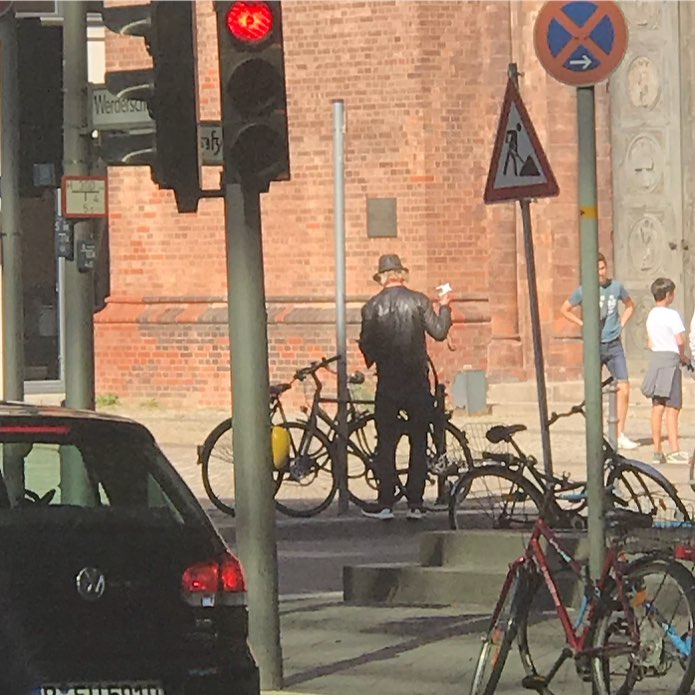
(40, 102)
(170, 91)
(252, 88)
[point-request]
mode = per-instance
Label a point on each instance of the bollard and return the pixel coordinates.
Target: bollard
(613, 415)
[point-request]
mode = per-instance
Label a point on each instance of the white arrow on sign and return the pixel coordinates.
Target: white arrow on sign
(585, 62)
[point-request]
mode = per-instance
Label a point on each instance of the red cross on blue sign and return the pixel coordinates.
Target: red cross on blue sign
(580, 43)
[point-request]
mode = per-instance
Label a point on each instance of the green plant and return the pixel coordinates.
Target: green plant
(106, 400)
(151, 403)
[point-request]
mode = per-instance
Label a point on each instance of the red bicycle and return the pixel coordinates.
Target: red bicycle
(632, 631)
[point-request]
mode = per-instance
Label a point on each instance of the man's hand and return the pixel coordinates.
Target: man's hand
(444, 299)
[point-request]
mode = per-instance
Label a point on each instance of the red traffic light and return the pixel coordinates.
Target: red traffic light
(250, 22)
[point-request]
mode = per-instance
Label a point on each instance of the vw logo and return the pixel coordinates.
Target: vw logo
(90, 583)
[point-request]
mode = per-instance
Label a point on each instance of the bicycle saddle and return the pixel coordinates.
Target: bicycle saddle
(503, 433)
(277, 389)
(627, 519)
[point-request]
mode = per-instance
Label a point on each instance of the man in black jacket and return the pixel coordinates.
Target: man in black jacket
(394, 324)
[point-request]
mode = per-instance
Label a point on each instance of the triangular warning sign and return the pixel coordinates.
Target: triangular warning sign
(519, 167)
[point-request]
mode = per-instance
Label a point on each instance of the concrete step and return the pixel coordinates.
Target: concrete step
(456, 567)
(492, 549)
(436, 586)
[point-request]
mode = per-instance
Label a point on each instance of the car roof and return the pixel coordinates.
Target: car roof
(18, 409)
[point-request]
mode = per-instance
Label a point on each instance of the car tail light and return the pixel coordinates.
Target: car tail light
(214, 579)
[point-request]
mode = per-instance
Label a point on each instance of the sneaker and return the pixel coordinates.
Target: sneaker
(658, 458)
(383, 514)
(626, 443)
(415, 514)
(678, 457)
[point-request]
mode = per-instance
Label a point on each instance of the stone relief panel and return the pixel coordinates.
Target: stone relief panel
(643, 83)
(646, 246)
(643, 14)
(643, 165)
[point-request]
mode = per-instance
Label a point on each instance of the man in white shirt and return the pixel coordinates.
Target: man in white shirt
(663, 382)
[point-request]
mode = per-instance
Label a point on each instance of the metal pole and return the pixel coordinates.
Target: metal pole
(539, 363)
(12, 284)
(253, 482)
(588, 228)
(340, 311)
(79, 286)
(612, 419)
(536, 335)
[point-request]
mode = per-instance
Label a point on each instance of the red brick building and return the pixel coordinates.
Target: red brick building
(422, 84)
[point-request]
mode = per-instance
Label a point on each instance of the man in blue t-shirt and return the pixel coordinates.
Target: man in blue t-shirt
(612, 323)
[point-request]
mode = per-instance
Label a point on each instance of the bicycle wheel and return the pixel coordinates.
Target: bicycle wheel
(500, 635)
(662, 597)
(361, 449)
(640, 487)
(493, 497)
(217, 460)
(305, 485)
(457, 456)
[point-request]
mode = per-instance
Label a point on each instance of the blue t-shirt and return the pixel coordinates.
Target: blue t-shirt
(608, 307)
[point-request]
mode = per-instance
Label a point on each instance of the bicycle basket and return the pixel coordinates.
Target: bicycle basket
(478, 442)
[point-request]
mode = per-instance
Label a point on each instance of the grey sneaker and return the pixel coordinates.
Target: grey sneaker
(658, 458)
(383, 514)
(415, 514)
(678, 457)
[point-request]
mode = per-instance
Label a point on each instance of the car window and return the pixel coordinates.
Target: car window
(92, 472)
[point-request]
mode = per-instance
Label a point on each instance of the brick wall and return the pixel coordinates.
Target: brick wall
(422, 84)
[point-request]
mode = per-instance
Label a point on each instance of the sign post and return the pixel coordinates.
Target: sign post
(580, 44)
(519, 170)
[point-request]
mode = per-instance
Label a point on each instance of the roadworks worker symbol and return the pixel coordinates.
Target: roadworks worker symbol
(519, 168)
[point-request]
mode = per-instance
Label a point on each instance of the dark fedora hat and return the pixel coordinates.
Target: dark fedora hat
(389, 261)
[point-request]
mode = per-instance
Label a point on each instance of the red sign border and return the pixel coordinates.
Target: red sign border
(549, 189)
(553, 10)
(77, 216)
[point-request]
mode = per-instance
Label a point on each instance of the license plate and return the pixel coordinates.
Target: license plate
(136, 688)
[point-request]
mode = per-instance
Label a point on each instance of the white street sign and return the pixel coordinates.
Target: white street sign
(210, 134)
(108, 112)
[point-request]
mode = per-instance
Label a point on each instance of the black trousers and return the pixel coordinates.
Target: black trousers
(391, 409)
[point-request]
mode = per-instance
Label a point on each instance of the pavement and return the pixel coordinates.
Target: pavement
(334, 648)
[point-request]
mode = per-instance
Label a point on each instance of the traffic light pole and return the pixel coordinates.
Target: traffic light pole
(79, 286)
(12, 295)
(253, 481)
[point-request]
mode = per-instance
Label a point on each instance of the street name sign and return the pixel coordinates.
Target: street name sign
(84, 196)
(108, 112)
(210, 137)
(519, 168)
(580, 43)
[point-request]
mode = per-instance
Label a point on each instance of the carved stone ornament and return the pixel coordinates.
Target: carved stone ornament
(644, 163)
(645, 244)
(645, 14)
(643, 83)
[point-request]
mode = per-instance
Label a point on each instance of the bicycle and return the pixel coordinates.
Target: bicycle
(633, 625)
(312, 451)
(507, 490)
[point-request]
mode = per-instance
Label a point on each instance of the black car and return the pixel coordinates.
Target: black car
(112, 579)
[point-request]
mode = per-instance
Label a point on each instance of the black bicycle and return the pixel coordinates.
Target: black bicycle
(507, 490)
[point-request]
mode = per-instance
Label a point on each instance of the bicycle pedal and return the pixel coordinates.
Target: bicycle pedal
(535, 682)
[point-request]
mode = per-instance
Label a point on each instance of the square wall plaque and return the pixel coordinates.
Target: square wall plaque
(381, 218)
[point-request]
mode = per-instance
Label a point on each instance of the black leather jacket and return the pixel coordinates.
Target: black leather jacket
(394, 323)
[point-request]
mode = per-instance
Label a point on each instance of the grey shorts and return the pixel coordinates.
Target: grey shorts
(675, 398)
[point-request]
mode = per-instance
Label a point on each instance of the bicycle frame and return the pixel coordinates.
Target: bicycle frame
(578, 632)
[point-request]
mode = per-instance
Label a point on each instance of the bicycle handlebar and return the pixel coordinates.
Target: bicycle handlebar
(554, 417)
(303, 373)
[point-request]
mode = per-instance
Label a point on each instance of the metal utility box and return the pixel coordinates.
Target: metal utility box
(469, 391)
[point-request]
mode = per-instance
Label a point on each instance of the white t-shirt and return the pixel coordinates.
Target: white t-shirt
(663, 325)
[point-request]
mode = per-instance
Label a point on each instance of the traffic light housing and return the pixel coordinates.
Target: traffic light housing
(170, 91)
(253, 93)
(40, 101)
